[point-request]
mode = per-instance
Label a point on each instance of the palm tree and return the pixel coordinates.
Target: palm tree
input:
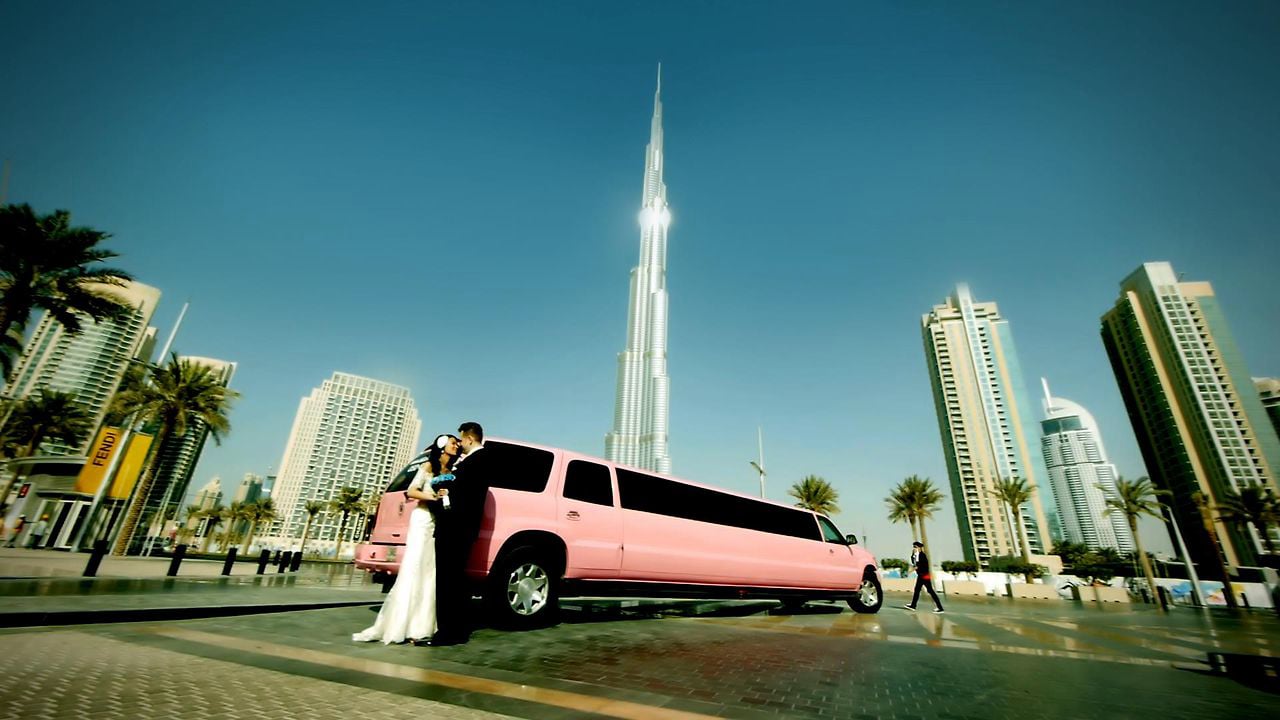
(1014, 492)
(901, 509)
(347, 502)
(49, 415)
(313, 508)
(260, 511)
(924, 499)
(236, 515)
(1133, 499)
(815, 494)
(48, 264)
(1210, 536)
(180, 393)
(213, 517)
(1254, 506)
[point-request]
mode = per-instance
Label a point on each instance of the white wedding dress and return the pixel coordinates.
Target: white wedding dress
(410, 608)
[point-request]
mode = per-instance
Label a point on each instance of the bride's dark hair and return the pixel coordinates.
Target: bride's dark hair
(435, 455)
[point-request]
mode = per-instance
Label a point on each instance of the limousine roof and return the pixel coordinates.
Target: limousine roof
(632, 468)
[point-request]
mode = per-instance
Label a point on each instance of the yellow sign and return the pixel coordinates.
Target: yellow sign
(100, 453)
(131, 467)
(104, 448)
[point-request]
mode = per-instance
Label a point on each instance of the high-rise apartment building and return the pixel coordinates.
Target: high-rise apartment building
(640, 416)
(89, 365)
(209, 496)
(1269, 394)
(350, 432)
(1081, 477)
(1197, 416)
(250, 489)
(181, 453)
(983, 416)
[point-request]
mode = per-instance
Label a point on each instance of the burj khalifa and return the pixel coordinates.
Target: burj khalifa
(639, 436)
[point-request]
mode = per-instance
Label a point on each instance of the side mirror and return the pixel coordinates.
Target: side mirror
(851, 539)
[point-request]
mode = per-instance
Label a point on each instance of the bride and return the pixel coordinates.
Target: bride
(410, 608)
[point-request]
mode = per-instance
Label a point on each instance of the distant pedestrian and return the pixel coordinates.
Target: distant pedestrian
(18, 524)
(924, 579)
(38, 530)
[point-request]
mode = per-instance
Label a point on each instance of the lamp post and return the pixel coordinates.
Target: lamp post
(1182, 551)
(759, 466)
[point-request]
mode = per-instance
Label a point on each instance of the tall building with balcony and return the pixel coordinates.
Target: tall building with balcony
(985, 423)
(1081, 477)
(1197, 415)
(1269, 394)
(181, 453)
(350, 432)
(89, 365)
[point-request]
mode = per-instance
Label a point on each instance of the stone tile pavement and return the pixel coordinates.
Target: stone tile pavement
(70, 674)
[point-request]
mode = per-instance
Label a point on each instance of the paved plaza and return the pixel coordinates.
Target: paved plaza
(983, 659)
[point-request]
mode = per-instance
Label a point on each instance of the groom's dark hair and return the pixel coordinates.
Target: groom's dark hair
(473, 429)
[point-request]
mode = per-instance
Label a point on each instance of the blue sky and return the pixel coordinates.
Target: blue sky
(444, 195)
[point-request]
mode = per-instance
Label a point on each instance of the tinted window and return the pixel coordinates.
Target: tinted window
(516, 467)
(830, 532)
(401, 481)
(588, 482)
(653, 494)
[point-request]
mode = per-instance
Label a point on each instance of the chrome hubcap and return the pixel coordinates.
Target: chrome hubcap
(527, 589)
(869, 594)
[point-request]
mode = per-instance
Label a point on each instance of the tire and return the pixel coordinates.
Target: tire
(870, 598)
(791, 606)
(524, 589)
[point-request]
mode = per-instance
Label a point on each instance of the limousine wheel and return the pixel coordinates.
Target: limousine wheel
(870, 597)
(524, 589)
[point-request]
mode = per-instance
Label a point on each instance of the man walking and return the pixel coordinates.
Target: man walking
(456, 531)
(38, 530)
(920, 562)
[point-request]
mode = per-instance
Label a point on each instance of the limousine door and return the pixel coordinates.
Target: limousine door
(590, 523)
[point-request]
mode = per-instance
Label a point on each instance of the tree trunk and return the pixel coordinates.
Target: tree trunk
(337, 553)
(1022, 536)
(208, 537)
(141, 492)
(248, 538)
(924, 537)
(1146, 563)
(306, 530)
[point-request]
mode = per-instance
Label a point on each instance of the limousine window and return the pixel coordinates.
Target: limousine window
(588, 482)
(401, 481)
(516, 467)
(653, 494)
(830, 532)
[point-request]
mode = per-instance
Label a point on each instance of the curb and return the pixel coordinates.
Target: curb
(93, 617)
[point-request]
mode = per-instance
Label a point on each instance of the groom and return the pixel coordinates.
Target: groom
(456, 531)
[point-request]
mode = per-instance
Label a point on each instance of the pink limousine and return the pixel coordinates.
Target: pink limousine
(557, 523)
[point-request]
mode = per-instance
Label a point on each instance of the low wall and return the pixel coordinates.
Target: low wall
(964, 587)
(898, 584)
(1086, 593)
(1033, 592)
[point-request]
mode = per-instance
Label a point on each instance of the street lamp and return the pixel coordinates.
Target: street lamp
(1182, 550)
(759, 466)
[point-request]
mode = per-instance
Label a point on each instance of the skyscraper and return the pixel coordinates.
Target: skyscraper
(1269, 394)
(250, 488)
(640, 430)
(89, 365)
(180, 454)
(1077, 464)
(350, 432)
(1197, 416)
(982, 411)
(209, 496)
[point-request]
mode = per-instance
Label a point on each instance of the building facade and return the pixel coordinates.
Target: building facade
(90, 365)
(640, 416)
(350, 432)
(1269, 394)
(180, 454)
(1081, 477)
(250, 489)
(1197, 416)
(985, 424)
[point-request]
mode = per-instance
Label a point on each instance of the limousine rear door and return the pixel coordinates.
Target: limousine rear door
(590, 522)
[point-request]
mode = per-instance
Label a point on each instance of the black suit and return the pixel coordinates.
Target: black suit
(456, 531)
(924, 580)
